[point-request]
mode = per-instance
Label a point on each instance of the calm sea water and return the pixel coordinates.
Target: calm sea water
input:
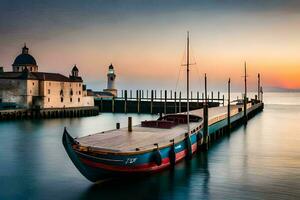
(259, 161)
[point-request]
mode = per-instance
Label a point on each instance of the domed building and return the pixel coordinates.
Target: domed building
(25, 61)
(26, 87)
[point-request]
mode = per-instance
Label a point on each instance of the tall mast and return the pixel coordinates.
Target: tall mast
(245, 77)
(188, 80)
(245, 97)
(258, 87)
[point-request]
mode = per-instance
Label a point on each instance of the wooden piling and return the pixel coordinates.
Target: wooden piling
(129, 124)
(223, 100)
(165, 104)
(113, 105)
(205, 116)
(139, 101)
(228, 108)
(125, 102)
(175, 103)
(179, 106)
(151, 103)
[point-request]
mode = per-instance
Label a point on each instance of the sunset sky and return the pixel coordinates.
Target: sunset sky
(145, 40)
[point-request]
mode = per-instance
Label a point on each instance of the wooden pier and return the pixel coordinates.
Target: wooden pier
(150, 102)
(144, 139)
(12, 114)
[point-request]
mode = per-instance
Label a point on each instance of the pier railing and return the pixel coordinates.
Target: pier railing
(150, 102)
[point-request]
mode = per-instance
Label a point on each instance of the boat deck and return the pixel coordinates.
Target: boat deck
(144, 138)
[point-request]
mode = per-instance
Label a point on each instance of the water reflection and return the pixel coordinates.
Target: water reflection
(259, 161)
(163, 185)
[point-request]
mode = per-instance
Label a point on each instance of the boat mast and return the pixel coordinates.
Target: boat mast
(188, 81)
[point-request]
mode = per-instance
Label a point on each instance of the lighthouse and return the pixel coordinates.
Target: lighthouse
(111, 77)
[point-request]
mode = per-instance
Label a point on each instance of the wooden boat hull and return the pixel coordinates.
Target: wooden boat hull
(105, 166)
(97, 166)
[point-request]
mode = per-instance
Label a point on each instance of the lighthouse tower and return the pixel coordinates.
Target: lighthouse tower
(111, 77)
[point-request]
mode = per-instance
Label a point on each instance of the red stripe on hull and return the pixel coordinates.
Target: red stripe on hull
(148, 167)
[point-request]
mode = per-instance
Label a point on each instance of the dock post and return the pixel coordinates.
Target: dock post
(212, 96)
(147, 95)
(151, 104)
(202, 97)
(137, 95)
(228, 108)
(142, 94)
(130, 94)
(160, 95)
(118, 125)
(198, 97)
(113, 105)
(179, 106)
(101, 105)
(165, 104)
(218, 95)
(129, 124)
(155, 94)
(125, 102)
(122, 94)
(175, 103)
(170, 94)
(223, 99)
(205, 116)
(139, 101)
(262, 94)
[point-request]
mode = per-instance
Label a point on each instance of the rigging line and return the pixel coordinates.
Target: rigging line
(178, 77)
(180, 66)
(196, 66)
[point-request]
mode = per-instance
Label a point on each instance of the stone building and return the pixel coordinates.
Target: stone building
(28, 88)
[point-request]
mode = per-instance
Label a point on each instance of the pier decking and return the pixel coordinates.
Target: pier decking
(145, 138)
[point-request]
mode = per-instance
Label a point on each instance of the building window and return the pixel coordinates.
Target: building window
(48, 99)
(30, 91)
(71, 92)
(49, 83)
(48, 91)
(79, 84)
(32, 83)
(61, 99)
(78, 99)
(71, 99)
(61, 92)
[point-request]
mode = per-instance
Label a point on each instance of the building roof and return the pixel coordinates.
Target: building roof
(39, 76)
(24, 59)
(75, 68)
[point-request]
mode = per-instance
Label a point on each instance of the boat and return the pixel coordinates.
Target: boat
(149, 147)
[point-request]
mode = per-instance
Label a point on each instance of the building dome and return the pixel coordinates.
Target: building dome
(24, 59)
